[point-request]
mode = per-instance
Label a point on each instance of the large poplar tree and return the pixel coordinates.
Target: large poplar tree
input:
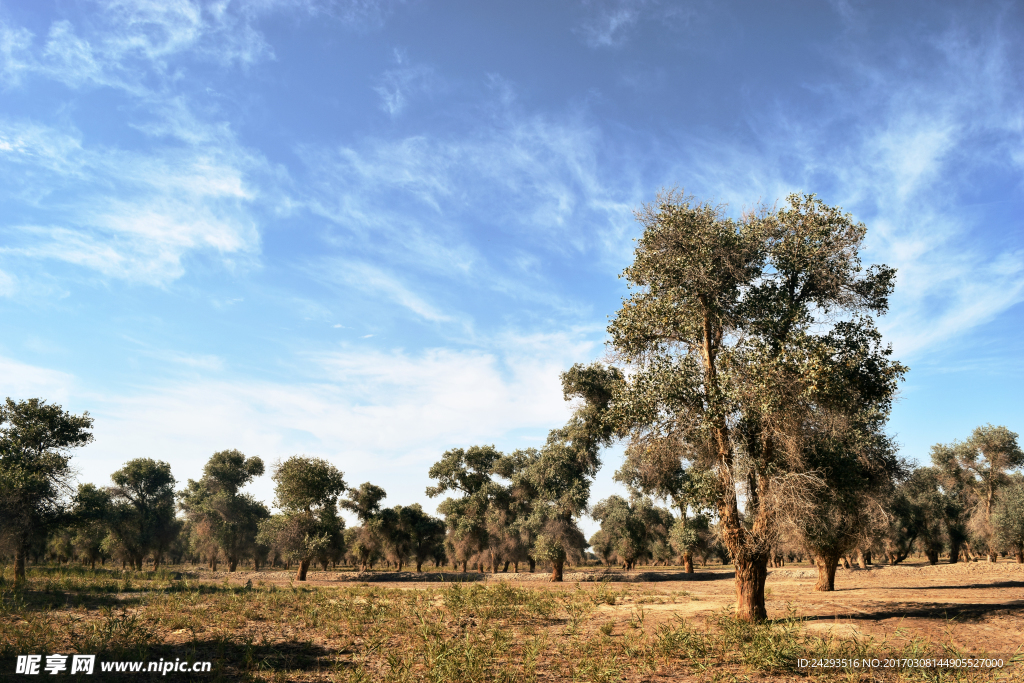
(734, 331)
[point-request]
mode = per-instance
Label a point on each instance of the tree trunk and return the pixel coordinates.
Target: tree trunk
(300, 573)
(464, 563)
(19, 564)
(505, 568)
(232, 564)
(687, 563)
(751, 573)
(515, 567)
(213, 563)
(556, 570)
(1020, 556)
(954, 551)
(933, 556)
(826, 571)
(862, 561)
(533, 565)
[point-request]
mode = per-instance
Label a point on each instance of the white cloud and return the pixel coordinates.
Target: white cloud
(380, 415)
(375, 281)
(527, 176)
(908, 169)
(404, 81)
(8, 284)
(126, 214)
(609, 23)
(22, 381)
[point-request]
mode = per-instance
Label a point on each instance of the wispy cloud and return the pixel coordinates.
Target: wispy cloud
(514, 174)
(367, 411)
(22, 380)
(8, 284)
(909, 169)
(610, 23)
(125, 214)
(376, 282)
(405, 80)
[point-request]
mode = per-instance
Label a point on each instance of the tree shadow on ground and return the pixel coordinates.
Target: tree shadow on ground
(997, 584)
(945, 611)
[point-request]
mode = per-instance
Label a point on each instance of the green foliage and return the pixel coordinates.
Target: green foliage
(465, 470)
(307, 484)
(90, 511)
(633, 527)
(36, 439)
(141, 517)
(971, 474)
(310, 528)
(217, 509)
(425, 533)
(740, 334)
(1008, 518)
(364, 501)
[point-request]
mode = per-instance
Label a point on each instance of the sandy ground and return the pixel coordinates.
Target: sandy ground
(978, 607)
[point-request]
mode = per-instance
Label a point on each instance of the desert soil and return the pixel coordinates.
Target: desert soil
(976, 606)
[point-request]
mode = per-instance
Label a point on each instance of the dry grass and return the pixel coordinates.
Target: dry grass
(459, 632)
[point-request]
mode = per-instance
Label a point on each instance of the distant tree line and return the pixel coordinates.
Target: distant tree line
(748, 383)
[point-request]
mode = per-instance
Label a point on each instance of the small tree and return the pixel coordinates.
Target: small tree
(1008, 518)
(36, 439)
(856, 466)
(633, 527)
(367, 540)
(142, 509)
(426, 534)
(558, 478)
(467, 471)
(654, 467)
(307, 494)
(981, 466)
(90, 512)
(214, 503)
(921, 491)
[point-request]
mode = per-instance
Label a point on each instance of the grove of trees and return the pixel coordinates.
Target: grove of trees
(747, 381)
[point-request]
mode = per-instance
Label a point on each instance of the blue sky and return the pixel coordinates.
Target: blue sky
(371, 231)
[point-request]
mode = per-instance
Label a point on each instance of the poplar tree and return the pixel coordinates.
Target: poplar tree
(981, 465)
(141, 515)
(36, 477)
(731, 331)
(367, 540)
(306, 492)
(214, 502)
(466, 471)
